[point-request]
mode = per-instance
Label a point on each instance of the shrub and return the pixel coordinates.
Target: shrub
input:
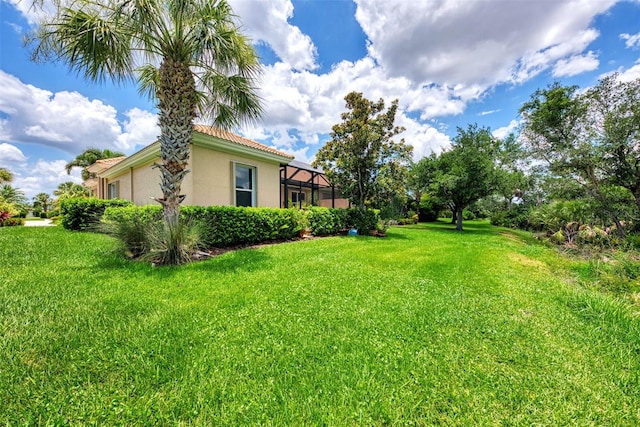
(429, 208)
(11, 222)
(363, 220)
(516, 217)
(131, 226)
(172, 244)
(326, 221)
(83, 213)
(43, 215)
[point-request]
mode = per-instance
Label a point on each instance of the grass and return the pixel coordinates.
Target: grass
(424, 327)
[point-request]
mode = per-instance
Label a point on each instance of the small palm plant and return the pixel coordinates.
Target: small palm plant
(188, 55)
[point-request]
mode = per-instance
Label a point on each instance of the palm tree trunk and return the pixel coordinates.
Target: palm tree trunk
(177, 105)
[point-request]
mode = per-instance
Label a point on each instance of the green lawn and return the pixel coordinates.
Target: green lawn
(424, 327)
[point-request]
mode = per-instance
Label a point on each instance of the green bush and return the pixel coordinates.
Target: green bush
(43, 215)
(326, 221)
(81, 213)
(516, 217)
(12, 222)
(227, 225)
(429, 208)
(363, 220)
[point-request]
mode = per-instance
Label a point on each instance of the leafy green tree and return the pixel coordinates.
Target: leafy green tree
(361, 158)
(614, 119)
(189, 55)
(89, 157)
(467, 172)
(42, 201)
(421, 176)
(590, 138)
(511, 179)
(5, 175)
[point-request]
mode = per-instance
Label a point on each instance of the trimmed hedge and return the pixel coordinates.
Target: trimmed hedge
(326, 221)
(223, 226)
(82, 213)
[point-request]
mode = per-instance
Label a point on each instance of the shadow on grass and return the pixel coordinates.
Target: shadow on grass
(468, 228)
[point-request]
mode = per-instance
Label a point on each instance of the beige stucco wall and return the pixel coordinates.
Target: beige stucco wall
(211, 179)
(146, 184)
(210, 182)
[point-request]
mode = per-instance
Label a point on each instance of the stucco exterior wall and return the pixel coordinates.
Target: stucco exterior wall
(210, 182)
(212, 179)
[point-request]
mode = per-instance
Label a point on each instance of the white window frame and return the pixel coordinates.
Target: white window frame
(254, 188)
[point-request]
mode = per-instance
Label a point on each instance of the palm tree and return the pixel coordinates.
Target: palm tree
(5, 175)
(69, 190)
(189, 55)
(42, 201)
(89, 157)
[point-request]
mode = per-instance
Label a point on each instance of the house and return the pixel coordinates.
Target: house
(226, 170)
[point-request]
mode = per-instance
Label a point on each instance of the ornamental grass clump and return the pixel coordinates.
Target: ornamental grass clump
(172, 244)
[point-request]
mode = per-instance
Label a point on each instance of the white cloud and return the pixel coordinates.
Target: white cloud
(631, 40)
(140, 129)
(575, 65)
(267, 21)
(43, 177)
(67, 120)
(10, 155)
(504, 131)
(631, 74)
(475, 42)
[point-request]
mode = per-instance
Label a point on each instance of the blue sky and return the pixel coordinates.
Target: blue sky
(449, 62)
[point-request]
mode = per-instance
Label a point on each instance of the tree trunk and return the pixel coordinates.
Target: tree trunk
(459, 219)
(177, 104)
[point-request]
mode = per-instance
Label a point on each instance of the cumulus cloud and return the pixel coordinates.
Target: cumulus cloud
(68, 120)
(631, 40)
(631, 74)
(504, 131)
(476, 42)
(140, 129)
(42, 176)
(10, 155)
(268, 22)
(575, 65)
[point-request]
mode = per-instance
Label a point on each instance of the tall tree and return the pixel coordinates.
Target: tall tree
(13, 195)
(614, 119)
(361, 158)
(42, 201)
(5, 175)
(467, 172)
(89, 157)
(189, 55)
(591, 138)
(69, 190)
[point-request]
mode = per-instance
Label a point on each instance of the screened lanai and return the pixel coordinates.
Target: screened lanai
(301, 185)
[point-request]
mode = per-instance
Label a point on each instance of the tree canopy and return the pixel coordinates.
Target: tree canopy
(361, 158)
(591, 138)
(466, 172)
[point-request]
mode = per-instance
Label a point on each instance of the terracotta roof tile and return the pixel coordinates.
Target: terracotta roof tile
(229, 136)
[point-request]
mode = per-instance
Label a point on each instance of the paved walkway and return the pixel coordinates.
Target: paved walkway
(41, 223)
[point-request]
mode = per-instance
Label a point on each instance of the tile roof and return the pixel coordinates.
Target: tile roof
(102, 164)
(232, 137)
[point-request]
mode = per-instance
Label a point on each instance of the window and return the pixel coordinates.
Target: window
(245, 185)
(297, 197)
(112, 190)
